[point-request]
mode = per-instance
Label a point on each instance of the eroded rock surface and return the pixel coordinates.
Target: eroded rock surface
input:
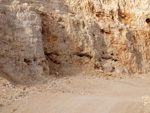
(40, 37)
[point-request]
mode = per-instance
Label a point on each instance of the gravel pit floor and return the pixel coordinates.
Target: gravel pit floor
(76, 94)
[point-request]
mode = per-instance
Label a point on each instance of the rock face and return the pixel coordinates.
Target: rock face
(21, 54)
(39, 37)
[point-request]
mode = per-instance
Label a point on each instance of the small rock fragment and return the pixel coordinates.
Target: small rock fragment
(41, 9)
(107, 78)
(146, 104)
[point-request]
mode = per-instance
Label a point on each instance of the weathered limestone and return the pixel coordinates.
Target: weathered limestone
(21, 54)
(108, 31)
(42, 36)
(126, 29)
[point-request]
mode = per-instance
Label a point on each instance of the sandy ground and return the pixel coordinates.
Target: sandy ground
(79, 94)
